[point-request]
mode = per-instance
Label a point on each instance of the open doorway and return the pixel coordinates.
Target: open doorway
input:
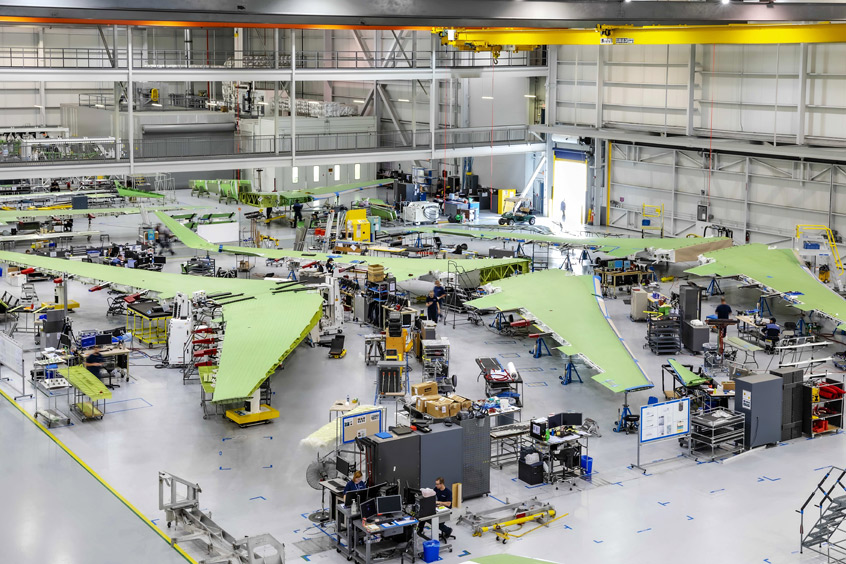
(569, 184)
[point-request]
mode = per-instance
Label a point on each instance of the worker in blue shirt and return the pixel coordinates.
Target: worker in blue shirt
(357, 483)
(443, 495)
(433, 308)
(440, 292)
(771, 333)
(298, 213)
(723, 310)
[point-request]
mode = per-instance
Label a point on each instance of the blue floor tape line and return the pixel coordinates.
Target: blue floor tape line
(496, 498)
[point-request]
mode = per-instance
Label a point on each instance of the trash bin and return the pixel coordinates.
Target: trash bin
(587, 464)
(431, 551)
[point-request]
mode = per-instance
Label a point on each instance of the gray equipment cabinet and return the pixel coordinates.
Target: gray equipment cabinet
(440, 456)
(792, 406)
(759, 399)
(477, 457)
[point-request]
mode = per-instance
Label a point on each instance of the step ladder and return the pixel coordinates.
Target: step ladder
(827, 535)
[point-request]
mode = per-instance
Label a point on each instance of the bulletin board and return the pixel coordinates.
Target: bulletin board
(360, 425)
(664, 420)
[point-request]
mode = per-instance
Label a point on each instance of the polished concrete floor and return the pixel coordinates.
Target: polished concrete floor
(254, 479)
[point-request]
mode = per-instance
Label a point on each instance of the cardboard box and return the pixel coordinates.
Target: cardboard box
(728, 386)
(439, 408)
(424, 389)
(465, 403)
(423, 401)
(454, 408)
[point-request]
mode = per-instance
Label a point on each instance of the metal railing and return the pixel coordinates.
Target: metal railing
(15, 153)
(86, 58)
(60, 57)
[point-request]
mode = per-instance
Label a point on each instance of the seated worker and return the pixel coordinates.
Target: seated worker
(357, 483)
(771, 333)
(95, 363)
(444, 499)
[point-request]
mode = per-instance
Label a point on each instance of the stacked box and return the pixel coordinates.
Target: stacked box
(375, 273)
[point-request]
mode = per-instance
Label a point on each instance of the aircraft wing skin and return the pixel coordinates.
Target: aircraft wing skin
(260, 331)
(571, 308)
(779, 271)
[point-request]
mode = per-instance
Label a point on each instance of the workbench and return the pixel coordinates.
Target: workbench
(378, 539)
(147, 322)
(747, 348)
(506, 441)
(374, 348)
(504, 384)
(53, 389)
(555, 448)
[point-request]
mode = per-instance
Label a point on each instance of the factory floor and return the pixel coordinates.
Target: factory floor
(253, 480)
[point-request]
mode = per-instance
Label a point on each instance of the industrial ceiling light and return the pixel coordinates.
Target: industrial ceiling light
(532, 95)
(99, 106)
(401, 100)
(39, 106)
(156, 105)
(261, 103)
(358, 101)
(725, 1)
(487, 97)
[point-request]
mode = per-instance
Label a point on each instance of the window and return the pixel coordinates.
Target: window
(357, 172)
(295, 174)
(316, 173)
(337, 172)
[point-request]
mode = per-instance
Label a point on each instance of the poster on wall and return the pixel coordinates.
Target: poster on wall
(664, 420)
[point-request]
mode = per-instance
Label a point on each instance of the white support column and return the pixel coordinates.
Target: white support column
(116, 88)
(328, 51)
(673, 197)
(42, 92)
(413, 112)
(600, 79)
(803, 85)
(293, 98)
(691, 86)
(745, 199)
(130, 95)
(433, 99)
(275, 104)
(552, 85)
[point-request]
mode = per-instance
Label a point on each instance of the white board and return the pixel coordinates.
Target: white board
(664, 420)
(11, 354)
(219, 232)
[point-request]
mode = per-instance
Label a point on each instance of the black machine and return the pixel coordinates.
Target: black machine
(565, 420)
(428, 506)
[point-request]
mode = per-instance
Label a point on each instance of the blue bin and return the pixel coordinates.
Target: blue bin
(431, 551)
(587, 464)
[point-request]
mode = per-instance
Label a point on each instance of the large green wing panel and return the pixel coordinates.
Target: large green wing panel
(614, 246)
(687, 376)
(260, 332)
(571, 307)
(11, 216)
(777, 270)
(402, 268)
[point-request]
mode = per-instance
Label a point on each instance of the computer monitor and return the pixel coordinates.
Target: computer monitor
(555, 420)
(354, 495)
(428, 506)
(103, 340)
(159, 260)
(65, 340)
(343, 467)
(368, 508)
(411, 496)
(388, 504)
(571, 419)
(372, 492)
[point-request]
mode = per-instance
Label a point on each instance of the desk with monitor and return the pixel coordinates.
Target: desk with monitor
(373, 526)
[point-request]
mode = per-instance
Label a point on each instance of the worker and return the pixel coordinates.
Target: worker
(163, 238)
(723, 311)
(771, 333)
(357, 483)
(443, 495)
(298, 213)
(330, 265)
(439, 291)
(433, 307)
(563, 211)
(95, 363)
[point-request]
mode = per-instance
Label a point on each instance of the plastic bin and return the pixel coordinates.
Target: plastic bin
(431, 550)
(587, 464)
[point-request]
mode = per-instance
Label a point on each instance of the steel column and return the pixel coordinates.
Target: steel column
(803, 85)
(130, 102)
(691, 87)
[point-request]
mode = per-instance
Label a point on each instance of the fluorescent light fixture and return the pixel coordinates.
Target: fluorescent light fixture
(529, 96)
(155, 104)
(38, 106)
(401, 100)
(725, 1)
(487, 97)
(358, 101)
(261, 103)
(99, 106)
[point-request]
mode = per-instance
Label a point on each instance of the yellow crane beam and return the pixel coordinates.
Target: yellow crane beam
(733, 34)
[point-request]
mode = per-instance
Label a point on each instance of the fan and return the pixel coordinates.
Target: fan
(318, 471)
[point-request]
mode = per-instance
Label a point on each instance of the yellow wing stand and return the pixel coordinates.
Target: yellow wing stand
(543, 518)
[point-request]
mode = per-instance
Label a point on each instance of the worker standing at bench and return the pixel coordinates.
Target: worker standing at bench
(433, 307)
(723, 311)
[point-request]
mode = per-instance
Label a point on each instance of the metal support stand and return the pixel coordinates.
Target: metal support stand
(714, 288)
(763, 305)
(622, 425)
(540, 346)
(568, 374)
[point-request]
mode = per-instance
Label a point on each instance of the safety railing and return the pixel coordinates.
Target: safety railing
(61, 57)
(86, 58)
(17, 152)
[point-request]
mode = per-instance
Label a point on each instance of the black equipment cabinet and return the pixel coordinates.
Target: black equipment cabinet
(477, 457)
